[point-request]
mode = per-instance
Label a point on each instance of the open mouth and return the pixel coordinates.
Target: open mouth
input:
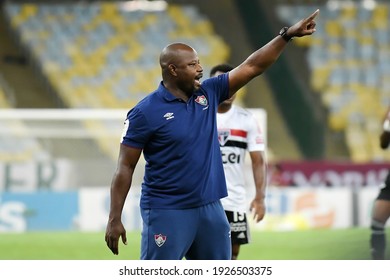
(197, 80)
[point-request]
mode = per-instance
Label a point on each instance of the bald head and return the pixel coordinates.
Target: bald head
(174, 54)
(181, 70)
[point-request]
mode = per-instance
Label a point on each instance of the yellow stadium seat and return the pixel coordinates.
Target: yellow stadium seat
(104, 58)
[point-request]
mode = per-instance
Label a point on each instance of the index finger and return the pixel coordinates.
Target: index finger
(313, 15)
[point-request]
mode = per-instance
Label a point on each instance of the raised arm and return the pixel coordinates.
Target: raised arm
(120, 186)
(264, 57)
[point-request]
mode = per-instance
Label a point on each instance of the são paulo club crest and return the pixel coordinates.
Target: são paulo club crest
(160, 239)
(223, 136)
(202, 100)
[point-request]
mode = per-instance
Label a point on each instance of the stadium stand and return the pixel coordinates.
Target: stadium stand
(96, 54)
(105, 54)
(14, 145)
(349, 62)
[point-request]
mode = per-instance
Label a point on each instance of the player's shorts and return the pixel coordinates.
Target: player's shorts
(384, 193)
(201, 233)
(239, 227)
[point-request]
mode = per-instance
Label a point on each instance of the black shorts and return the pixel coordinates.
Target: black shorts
(384, 193)
(239, 227)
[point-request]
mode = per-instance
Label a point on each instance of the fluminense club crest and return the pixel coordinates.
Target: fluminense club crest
(202, 100)
(160, 239)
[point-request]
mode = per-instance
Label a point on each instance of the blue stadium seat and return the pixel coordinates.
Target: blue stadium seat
(350, 68)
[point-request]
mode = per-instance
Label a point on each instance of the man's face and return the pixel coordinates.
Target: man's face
(188, 70)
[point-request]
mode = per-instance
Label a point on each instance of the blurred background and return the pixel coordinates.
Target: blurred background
(70, 71)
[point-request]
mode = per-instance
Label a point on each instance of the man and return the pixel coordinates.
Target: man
(381, 208)
(175, 128)
(238, 132)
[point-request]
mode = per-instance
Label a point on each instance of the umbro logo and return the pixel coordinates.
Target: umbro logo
(169, 116)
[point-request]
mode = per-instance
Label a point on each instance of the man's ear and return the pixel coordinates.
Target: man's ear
(172, 69)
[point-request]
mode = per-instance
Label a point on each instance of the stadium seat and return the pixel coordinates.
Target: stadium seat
(98, 55)
(350, 69)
